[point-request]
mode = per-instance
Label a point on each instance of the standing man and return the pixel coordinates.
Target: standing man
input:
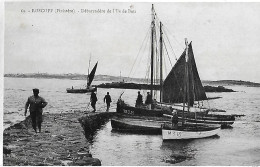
(149, 100)
(108, 100)
(93, 100)
(139, 100)
(174, 119)
(36, 104)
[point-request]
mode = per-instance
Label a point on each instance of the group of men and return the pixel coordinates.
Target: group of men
(148, 101)
(93, 101)
(35, 103)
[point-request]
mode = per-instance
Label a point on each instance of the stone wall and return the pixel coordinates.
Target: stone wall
(61, 142)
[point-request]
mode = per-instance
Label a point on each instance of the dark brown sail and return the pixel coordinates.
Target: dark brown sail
(91, 75)
(173, 86)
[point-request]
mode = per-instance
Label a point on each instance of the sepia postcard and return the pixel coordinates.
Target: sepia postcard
(130, 83)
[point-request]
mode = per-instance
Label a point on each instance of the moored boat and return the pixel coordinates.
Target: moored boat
(189, 93)
(81, 90)
(201, 117)
(181, 86)
(146, 124)
(171, 89)
(141, 110)
(137, 125)
(188, 131)
(88, 88)
(224, 120)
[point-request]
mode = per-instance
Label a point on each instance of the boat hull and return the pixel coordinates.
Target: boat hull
(203, 117)
(81, 90)
(223, 120)
(142, 111)
(131, 127)
(208, 120)
(189, 132)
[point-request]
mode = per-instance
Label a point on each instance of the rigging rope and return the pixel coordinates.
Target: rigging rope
(179, 43)
(148, 63)
(147, 73)
(138, 52)
(166, 71)
(170, 45)
(165, 32)
(140, 60)
(167, 53)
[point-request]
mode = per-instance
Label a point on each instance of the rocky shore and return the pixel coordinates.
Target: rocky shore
(62, 141)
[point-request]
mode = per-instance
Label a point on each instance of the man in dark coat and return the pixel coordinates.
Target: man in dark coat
(36, 104)
(108, 100)
(93, 100)
(149, 99)
(174, 119)
(139, 100)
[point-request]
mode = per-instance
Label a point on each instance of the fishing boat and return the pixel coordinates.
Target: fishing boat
(180, 131)
(171, 90)
(189, 84)
(144, 125)
(138, 124)
(225, 121)
(147, 110)
(88, 87)
(189, 131)
(200, 117)
(143, 110)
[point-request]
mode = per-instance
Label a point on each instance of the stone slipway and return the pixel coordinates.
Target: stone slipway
(62, 141)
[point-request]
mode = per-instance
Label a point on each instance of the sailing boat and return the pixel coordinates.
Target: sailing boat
(171, 91)
(188, 76)
(145, 110)
(88, 88)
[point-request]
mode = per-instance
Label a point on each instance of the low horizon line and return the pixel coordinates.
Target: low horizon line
(115, 76)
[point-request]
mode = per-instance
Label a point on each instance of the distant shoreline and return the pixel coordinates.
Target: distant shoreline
(126, 79)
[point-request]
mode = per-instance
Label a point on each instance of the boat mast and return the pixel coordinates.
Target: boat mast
(152, 50)
(186, 82)
(187, 74)
(161, 72)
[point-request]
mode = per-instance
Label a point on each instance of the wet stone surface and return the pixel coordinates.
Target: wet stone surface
(62, 142)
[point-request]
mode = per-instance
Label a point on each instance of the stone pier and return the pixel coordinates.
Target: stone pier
(64, 140)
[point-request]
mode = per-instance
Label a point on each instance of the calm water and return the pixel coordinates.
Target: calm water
(237, 146)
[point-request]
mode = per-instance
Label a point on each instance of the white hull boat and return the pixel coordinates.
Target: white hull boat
(198, 131)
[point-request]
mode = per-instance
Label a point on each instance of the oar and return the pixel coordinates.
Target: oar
(121, 94)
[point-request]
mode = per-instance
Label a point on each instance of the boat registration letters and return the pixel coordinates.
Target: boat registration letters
(129, 112)
(174, 133)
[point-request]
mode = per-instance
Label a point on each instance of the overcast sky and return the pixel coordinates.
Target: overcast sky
(225, 37)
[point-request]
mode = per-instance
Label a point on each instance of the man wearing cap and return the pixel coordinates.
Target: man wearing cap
(36, 104)
(93, 100)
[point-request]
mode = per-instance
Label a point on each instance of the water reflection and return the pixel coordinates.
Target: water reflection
(179, 150)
